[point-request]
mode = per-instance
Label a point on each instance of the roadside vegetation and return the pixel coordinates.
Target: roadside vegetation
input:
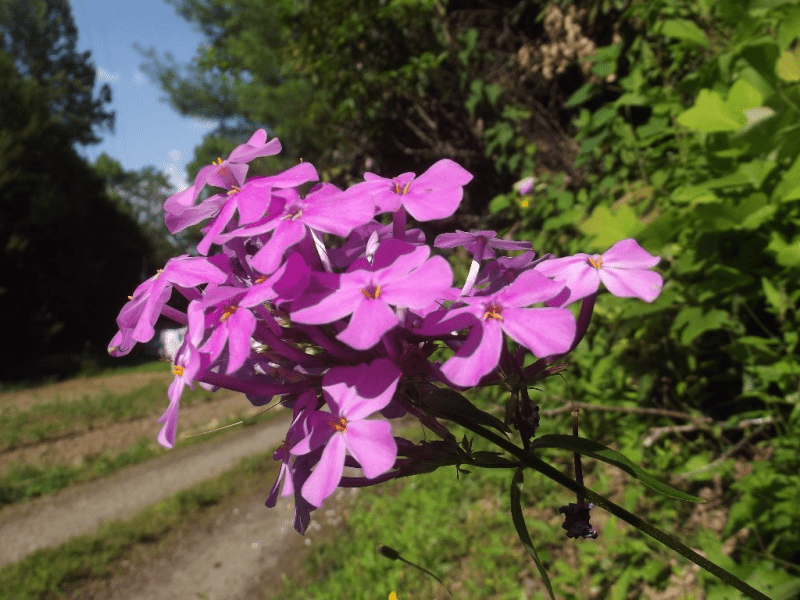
(89, 562)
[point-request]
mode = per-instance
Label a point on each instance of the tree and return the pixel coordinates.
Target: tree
(69, 256)
(40, 36)
(141, 195)
(387, 86)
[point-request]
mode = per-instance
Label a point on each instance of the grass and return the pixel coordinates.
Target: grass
(460, 529)
(59, 418)
(24, 481)
(92, 560)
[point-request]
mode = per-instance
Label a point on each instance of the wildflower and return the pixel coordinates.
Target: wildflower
(624, 269)
(352, 394)
(435, 194)
(544, 331)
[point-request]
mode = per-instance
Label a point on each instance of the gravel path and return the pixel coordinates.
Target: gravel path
(50, 520)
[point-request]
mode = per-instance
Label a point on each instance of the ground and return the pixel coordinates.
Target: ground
(238, 549)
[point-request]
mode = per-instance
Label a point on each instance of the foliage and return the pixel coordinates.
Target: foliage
(66, 250)
(141, 194)
(40, 36)
(688, 140)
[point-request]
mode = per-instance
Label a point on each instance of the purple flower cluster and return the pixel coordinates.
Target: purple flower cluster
(311, 300)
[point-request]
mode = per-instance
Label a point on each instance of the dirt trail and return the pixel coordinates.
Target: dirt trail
(75, 389)
(51, 520)
(237, 551)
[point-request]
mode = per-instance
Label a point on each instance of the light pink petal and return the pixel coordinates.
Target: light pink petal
(628, 283)
(628, 254)
(529, 288)
(544, 331)
(372, 445)
(370, 320)
(327, 474)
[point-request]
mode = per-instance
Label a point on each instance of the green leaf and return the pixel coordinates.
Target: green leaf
(603, 453)
(684, 30)
(450, 405)
(789, 187)
(744, 95)
(710, 114)
(693, 322)
(786, 254)
(522, 530)
(581, 95)
(499, 203)
(789, 29)
(788, 66)
(610, 227)
(694, 195)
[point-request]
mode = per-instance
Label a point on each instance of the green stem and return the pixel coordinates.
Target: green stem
(601, 501)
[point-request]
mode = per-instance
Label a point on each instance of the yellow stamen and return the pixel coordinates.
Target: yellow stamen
(260, 279)
(493, 311)
(227, 312)
(598, 264)
(405, 189)
(234, 190)
(340, 425)
(371, 292)
(178, 370)
(293, 214)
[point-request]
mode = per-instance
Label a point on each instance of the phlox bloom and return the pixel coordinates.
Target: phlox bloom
(352, 394)
(624, 269)
(544, 331)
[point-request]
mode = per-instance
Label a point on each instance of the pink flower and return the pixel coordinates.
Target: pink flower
(435, 194)
(352, 394)
(624, 269)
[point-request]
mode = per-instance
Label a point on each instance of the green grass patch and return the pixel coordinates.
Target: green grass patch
(460, 529)
(92, 560)
(24, 481)
(59, 418)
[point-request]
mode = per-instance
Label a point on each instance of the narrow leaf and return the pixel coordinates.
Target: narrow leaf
(612, 457)
(522, 529)
(451, 405)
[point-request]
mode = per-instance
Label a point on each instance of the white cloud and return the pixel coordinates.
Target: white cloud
(174, 155)
(105, 76)
(202, 124)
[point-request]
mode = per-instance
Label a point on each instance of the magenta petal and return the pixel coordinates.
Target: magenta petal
(529, 288)
(421, 287)
(371, 319)
(627, 283)
(444, 173)
(372, 445)
(331, 308)
(429, 204)
(241, 326)
(477, 357)
(328, 472)
(192, 271)
(544, 331)
(270, 256)
(166, 437)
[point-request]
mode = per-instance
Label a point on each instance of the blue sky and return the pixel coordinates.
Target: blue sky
(147, 130)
